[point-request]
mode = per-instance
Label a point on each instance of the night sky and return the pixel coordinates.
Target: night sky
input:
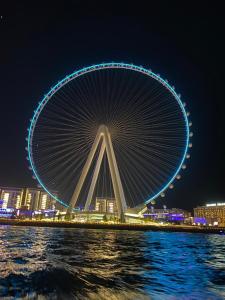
(185, 44)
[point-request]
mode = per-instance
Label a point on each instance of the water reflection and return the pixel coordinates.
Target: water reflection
(97, 264)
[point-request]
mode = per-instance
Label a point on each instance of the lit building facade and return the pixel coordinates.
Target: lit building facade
(210, 214)
(106, 205)
(11, 197)
(168, 215)
(27, 198)
(37, 199)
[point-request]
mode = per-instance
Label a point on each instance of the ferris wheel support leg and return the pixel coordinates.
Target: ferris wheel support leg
(83, 175)
(95, 176)
(115, 175)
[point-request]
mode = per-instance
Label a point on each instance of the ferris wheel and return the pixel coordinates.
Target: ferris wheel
(109, 130)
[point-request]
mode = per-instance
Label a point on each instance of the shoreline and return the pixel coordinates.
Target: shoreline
(135, 227)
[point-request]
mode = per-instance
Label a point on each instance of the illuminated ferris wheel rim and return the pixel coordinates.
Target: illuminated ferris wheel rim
(92, 68)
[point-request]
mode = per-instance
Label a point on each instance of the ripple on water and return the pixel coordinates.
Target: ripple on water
(95, 264)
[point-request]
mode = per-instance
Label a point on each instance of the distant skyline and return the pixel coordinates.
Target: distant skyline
(41, 45)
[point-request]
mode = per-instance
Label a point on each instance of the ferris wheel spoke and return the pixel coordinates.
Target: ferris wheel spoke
(152, 166)
(58, 177)
(54, 160)
(133, 166)
(142, 187)
(66, 105)
(129, 179)
(154, 154)
(73, 94)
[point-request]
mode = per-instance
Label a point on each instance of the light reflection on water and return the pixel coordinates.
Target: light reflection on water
(50, 263)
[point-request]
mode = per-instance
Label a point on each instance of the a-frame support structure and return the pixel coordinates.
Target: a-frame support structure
(103, 135)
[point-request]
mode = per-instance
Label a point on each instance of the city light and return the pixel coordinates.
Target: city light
(216, 204)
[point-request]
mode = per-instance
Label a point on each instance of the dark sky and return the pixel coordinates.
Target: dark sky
(40, 44)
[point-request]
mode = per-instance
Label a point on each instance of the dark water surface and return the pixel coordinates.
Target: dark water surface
(52, 263)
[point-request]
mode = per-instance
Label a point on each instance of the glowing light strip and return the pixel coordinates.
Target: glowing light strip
(84, 71)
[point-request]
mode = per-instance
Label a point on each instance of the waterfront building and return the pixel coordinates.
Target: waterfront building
(27, 198)
(106, 205)
(11, 197)
(175, 215)
(37, 199)
(210, 214)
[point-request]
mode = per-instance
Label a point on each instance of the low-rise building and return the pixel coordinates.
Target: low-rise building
(106, 205)
(210, 214)
(175, 215)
